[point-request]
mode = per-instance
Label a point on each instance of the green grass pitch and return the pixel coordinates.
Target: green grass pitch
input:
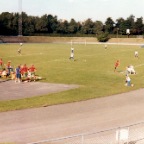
(92, 70)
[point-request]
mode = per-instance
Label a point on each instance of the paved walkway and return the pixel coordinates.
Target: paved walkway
(10, 90)
(31, 125)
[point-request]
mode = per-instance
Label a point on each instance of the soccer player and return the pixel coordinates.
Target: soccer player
(117, 63)
(72, 54)
(105, 46)
(136, 54)
(19, 50)
(128, 81)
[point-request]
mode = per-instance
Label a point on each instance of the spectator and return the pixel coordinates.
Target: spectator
(18, 74)
(4, 73)
(32, 69)
(25, 70)
(1, 63)
(9, 67)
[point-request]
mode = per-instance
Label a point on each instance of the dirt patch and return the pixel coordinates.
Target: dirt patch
(11, 90)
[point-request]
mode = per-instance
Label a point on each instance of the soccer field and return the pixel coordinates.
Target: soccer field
(92, 70)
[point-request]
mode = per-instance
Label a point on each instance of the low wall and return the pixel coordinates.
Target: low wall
(127, 40)
(46, 39)
(42, 39)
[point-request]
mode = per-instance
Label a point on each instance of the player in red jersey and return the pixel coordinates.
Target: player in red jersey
(117, 63)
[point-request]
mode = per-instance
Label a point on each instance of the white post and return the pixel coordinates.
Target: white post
(118, 136)
(82, 139)
(128, 136)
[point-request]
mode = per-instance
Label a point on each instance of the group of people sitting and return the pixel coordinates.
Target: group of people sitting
(22, 73)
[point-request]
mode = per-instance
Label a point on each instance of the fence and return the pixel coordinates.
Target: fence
(132, 134)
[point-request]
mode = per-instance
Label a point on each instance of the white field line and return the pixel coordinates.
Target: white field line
(55, 60)
(22, 55)
(99, 43)
(135, 67)
(139, 65)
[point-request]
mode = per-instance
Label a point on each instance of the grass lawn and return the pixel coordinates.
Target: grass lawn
(93, 70)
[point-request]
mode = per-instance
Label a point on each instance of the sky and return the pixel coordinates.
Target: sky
(80, 10)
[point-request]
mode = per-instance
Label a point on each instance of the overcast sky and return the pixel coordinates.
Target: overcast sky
(80, 10)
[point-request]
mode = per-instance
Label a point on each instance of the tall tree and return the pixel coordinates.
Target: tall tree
(52, 23)
(120, 26)
(109, 25)
(28, 24)
(41, 24)
(130, 22)
(73, 26)
(6, 23)
(88, 27)
(139, 26)
(98, 27)
(49, 24)
(63, 27)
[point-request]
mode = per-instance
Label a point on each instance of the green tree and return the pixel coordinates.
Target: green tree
(41, 24)
(109, 25)
(8, 23)
(103, 37)
(88, 27)
(139, 26)
(49, 24)
(73, 26)
(98, 27)
(52, 23)
(122, 25)
(28, 24)
(63, 27)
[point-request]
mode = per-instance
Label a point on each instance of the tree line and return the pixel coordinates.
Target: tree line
(50, 25)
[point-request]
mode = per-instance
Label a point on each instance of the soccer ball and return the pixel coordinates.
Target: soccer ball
(21, 44)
